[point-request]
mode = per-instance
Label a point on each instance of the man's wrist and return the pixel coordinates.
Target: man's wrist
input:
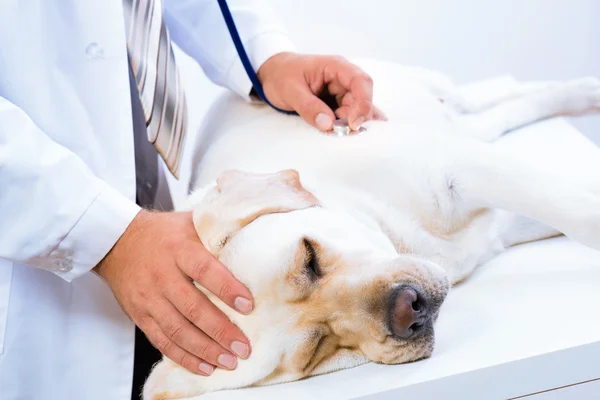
(128, 236)
(272, 64)
(259, 48)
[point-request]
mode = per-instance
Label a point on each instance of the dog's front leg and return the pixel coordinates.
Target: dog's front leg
(483, 176)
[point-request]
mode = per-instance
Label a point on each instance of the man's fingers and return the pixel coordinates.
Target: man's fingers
(171, 350)
(361, 108)
(343, 112)
(378, 115)
(359, 113)
(198, 264)
(200, 311)
(312, 109)
(189, 338)
(342, 75)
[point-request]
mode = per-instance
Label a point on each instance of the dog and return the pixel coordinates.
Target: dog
(350, 244)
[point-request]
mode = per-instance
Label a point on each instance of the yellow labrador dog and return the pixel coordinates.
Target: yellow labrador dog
(350, 244)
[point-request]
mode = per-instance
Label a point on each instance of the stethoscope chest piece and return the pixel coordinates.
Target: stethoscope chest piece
(341, 128)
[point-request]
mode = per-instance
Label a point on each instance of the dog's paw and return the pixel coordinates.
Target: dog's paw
(582, 96)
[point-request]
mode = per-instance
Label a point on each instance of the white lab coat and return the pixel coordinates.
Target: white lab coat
(67, 180)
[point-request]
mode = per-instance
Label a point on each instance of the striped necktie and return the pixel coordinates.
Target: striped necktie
(157, 79)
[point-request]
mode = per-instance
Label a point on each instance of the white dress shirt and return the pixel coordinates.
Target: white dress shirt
(67, 179)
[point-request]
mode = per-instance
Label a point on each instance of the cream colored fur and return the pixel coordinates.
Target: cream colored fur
(419, 200)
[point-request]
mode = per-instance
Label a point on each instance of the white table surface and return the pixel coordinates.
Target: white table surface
(525, 322)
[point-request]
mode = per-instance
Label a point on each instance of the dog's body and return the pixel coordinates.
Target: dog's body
(393, 215)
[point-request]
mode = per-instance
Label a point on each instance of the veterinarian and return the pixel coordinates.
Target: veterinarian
(92, 117)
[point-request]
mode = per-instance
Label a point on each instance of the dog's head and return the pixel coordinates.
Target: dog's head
(330, 291)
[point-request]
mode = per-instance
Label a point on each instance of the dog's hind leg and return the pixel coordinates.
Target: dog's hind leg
(463, 99)
(517, 229)
(484, 176)
(483, 95)
(566, 99)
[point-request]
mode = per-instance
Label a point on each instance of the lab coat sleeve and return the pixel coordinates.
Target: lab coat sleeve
(55, 214)
(198, 28)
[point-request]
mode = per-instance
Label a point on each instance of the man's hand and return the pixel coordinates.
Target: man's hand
(294, 82)
(150, 270)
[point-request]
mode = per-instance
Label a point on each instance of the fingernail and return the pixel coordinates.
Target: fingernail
(323, 121)
(240, 349)
(243, 305)
(227, 360)
(358, 122)
(206, 368)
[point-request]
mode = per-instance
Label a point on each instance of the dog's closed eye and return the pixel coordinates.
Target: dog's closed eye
(311, 261)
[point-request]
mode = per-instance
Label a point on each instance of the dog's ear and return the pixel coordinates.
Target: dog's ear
(238, 198)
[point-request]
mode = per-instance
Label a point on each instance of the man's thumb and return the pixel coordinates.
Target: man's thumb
(314, 111)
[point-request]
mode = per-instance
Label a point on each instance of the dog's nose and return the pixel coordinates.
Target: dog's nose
(408, 312)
